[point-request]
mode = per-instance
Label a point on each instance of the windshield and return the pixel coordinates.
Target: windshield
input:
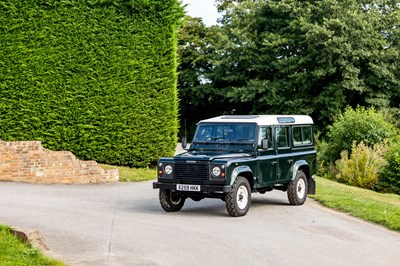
(226, 132)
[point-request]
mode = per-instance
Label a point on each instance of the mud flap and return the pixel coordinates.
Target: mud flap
(311, 185)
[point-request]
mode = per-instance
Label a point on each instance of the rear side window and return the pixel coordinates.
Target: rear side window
(282, 137)
(302, 135)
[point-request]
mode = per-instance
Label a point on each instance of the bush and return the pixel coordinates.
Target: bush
(363, 167)
(389, 180)
(359, 125)
(95, 77)
(325, 166)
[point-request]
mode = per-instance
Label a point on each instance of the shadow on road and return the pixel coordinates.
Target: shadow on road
(205, 207)
(265, 200)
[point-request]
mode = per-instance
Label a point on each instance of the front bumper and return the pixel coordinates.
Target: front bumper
(203, 188)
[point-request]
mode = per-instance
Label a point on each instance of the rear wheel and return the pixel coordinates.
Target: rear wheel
(170, 201)
(238, 200)
(297, 189)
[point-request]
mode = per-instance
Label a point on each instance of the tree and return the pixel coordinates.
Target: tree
(198, 97)
(307, 57)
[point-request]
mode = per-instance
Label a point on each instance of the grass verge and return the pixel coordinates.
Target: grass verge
(14, 252)
(127, 174)
(383, 209)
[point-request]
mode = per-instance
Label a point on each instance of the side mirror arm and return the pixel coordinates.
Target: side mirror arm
(264, 144)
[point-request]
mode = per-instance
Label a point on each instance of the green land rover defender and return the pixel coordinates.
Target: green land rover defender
(232, 156)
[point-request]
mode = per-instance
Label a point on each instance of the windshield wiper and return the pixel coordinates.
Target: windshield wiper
(208, 139)
(240, 141)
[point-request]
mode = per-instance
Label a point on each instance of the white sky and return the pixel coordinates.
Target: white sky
(202, 8)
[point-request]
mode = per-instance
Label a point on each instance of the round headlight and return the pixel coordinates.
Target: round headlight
(168, 169)
(216, 171)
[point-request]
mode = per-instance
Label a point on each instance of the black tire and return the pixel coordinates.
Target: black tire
(297, 189)
(239, 199)
(169, 201)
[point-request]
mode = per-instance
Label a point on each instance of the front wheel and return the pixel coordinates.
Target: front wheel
(238, 200)
(297, 189)
(169, 201)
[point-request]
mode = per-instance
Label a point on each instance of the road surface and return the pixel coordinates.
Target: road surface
(123, 224)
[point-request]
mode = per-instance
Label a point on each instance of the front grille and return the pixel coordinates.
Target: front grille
(191, 173)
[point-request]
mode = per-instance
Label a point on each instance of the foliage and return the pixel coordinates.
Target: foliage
(97, 78)
(375, 207)
(366, 125)
(363, 167)
(14, 252)
(127, 174)
(307, 57)
(198, 98)
(389, 180)
(324, 165)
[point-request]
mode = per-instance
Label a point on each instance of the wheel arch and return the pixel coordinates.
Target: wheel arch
(302, 165)
(244, 171)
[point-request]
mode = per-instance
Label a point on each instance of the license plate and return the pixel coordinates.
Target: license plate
(183, 187)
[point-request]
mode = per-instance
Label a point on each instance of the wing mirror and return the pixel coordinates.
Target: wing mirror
(184, 143)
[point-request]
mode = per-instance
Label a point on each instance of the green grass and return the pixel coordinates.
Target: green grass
(15, 253)
(383, 209)
(127, 174)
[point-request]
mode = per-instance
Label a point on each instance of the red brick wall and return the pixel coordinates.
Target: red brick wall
(28, 161)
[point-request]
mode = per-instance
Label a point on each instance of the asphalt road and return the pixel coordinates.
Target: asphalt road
(123, 224)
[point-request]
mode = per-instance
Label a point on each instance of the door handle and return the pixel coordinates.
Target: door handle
(290, 161)
(273, 162)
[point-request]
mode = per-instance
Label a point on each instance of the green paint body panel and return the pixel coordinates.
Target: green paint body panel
(235, 147)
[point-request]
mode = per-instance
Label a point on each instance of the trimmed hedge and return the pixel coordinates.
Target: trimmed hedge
(97, 78)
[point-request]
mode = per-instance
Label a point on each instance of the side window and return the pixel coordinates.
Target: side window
(265, 133)
(282, 137)
(302, 135)
(307, 135)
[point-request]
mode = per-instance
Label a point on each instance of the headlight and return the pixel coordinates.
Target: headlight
(216, 171)
(168, 169)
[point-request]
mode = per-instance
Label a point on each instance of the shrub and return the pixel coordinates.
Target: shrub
(359, 125)
(389, 180)
(95, 77)
(325, 166)
(363, 167)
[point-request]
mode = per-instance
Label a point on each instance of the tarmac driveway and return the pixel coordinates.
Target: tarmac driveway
(123, 224)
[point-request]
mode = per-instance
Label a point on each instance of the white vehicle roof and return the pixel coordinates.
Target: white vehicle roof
(262, 120)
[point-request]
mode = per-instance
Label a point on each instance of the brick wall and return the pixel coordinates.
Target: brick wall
(28, 161)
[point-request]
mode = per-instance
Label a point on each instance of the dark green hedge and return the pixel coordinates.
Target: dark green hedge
(97, 78)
